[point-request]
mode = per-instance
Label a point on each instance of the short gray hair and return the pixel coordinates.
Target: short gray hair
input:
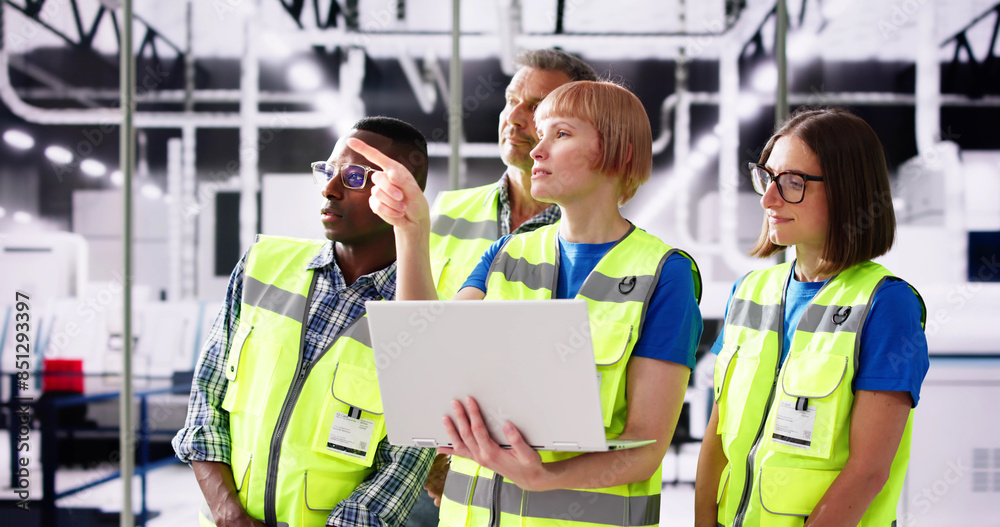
(557, 60)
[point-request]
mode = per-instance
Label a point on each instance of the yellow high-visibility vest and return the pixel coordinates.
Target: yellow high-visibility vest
(286, 465)
(466, 222)
(777, 472)
(617, 293)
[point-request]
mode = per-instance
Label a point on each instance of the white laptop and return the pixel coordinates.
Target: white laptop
(529, 362)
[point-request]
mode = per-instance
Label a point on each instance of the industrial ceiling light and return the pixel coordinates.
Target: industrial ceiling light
(765, 78)
(151, 191)
(328, 101)
(697, 160)
(117, 178)
(834, 8)
(708, 145)
(275, 47)
(93, 168)
(304, 75)
(3, 212)
(21, 217)
(748, 106)
(18, 139)
(58, 154)
(802, 46)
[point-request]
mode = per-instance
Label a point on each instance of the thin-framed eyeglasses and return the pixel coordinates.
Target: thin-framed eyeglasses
(352, 176)
(791, 185)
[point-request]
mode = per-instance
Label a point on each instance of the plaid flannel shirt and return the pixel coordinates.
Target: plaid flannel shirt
(387, 494)
(546, 217)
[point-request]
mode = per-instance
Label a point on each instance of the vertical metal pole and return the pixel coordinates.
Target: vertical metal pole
(455, 105)
(249, 104)
(781, 32)
(189, 62)
(781, 97)
(50, 460)
(188, 177)
(127, 160)
(144, 453)
(175, 218)
(12, 423)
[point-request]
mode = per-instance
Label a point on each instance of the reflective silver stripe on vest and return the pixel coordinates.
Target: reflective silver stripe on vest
(456, 487)
(464, 229)
(604, 288)
(831, 319)
(749, 314)
(359, 331)
(532, 276)
(563, 504)
(273, 298)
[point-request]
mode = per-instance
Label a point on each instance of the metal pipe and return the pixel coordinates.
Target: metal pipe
(127, 159)
(455, 101)
(481, 45)
(233, 96)
(424, 91)
(189, 198)
(175, 219)
(729, 87)
(781, 57)
(938, 155)
(163, 96)
(189, 71)
(249, 173)
(509, 21)
(781, 92)
(661, 142)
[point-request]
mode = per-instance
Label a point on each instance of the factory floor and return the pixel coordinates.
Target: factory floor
(173, 496)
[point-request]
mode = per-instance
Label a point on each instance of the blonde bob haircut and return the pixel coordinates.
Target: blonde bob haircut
(626, 141)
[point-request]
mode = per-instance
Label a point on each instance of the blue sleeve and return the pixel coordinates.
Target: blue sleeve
(717, 346)
(893, 345)
(673, 323)
(481, 273)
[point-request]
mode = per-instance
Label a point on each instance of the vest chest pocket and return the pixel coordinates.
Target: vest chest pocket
(611, 343)
(351, 424)
(249, 369)
(790, 491)
(733, 380)
(805, 415)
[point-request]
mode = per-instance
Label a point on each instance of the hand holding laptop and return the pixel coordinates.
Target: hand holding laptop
(471, 439)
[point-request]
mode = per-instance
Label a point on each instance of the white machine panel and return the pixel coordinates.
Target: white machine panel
(954, 475)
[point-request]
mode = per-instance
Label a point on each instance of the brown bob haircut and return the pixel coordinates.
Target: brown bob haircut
(862, 220)
(621, 123)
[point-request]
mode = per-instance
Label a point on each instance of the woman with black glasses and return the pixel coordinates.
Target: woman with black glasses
(821, 359)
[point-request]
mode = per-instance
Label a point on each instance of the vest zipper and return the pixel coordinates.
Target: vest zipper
(741, 511)
(274, 451)
(495, 500)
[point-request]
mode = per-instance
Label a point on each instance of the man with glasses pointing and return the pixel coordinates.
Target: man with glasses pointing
(284, 424)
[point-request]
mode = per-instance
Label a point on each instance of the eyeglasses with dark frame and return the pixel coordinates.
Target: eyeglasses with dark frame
(791, 185)
(354, 177)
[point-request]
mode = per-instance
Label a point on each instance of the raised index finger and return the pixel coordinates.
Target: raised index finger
(376, 156)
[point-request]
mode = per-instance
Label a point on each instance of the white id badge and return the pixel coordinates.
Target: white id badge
(794, 427)
(350, 436)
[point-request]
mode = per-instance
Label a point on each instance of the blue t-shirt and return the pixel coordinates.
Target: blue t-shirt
(893, 345)
(673, 324)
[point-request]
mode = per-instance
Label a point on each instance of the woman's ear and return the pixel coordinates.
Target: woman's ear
(628, 157)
